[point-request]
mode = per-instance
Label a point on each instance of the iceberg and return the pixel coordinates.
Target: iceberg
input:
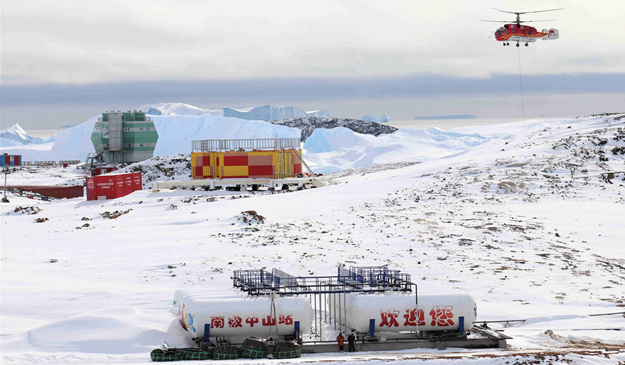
(177, 109)
(177, 132)
(268, 112)
(5, 142)
(372, 118)
(330, 150)
(15, 135)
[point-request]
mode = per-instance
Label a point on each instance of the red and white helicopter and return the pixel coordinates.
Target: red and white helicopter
(516, 32)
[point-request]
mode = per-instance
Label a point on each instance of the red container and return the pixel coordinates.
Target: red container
(235, 159)
(261, 172)
(137, 181)
(121, 187)
(129, 184)
(106, 187)
(53, 191)
(91, 195)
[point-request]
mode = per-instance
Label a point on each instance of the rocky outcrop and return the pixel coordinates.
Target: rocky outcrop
(308, 124)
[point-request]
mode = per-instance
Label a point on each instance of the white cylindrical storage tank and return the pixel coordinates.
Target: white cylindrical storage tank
(395, 312)
(242, 316)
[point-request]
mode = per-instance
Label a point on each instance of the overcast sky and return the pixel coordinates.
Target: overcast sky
(58, 55)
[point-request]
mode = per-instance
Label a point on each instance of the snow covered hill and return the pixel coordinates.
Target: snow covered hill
(268, 113)
(531, 223)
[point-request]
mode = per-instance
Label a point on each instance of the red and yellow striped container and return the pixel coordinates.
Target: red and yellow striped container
(248, 164)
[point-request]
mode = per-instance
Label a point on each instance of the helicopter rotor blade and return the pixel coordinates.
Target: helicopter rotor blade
(537, 21)
(526, 12)
(521, 21)
(505, 11)
(541, 11)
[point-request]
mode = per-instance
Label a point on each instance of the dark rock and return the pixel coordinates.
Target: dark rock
(308, 125)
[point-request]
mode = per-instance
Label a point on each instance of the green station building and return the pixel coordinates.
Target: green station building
(124, 137)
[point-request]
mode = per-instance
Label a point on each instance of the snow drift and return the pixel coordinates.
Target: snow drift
(113, 330)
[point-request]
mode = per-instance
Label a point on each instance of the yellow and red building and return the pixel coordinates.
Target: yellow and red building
(246, 158)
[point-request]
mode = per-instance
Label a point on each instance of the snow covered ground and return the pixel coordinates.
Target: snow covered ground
(530, 222)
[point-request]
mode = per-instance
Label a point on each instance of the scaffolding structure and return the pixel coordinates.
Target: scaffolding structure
(327, 294)
(367, 279)
(256, 144)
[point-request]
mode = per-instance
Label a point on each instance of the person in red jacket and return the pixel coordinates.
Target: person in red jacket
(341, 341)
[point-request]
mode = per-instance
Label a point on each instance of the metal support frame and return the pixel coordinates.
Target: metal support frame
(356, 279)
(323, 290)
(265, 144)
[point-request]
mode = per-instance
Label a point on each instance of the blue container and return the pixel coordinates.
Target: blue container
(10, 160)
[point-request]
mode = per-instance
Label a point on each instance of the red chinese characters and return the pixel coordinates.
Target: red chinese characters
(442, 316)
(288, 320)
(251, 321)
(239, 322)
(389, 318)
(269, 321)
(234, 322)
(217, 322)
(411, 317)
